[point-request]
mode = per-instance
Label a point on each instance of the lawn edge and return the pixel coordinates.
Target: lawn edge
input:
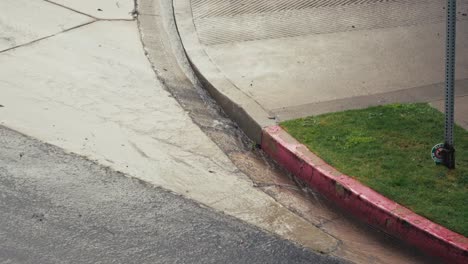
(361, 201)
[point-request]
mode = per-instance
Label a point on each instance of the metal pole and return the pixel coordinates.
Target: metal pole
(449, 155)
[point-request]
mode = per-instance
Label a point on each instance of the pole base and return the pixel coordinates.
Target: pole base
(448, 156)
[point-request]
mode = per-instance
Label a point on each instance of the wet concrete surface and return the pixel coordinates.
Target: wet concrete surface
(358, 243)
(58, 207)
(91, 90)
(105, 119)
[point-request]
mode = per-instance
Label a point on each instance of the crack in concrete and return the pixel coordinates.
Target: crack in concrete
(71, 9)
(134, 13)
(137, 149)
(47, 37)
(181, 161)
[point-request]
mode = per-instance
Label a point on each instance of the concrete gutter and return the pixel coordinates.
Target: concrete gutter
(245, 111)
(363, 202)
(355, 198)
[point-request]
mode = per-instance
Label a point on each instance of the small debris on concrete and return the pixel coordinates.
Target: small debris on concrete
(2, 105)
(99, 9)
(38, 217)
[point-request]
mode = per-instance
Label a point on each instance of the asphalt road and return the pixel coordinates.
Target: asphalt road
(57, 207)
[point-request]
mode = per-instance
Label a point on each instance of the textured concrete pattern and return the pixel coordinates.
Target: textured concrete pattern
(207, 8)
(92, 91)
(62, 208)
(225, 21)
(19, 29)
(290, 56)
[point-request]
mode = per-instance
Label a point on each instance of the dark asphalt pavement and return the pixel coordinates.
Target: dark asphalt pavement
(57, 207)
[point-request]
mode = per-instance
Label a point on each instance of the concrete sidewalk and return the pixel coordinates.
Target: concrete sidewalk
(289, 59)
(74, 74)
(270, 61)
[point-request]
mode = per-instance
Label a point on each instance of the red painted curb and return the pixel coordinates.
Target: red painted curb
(361, 201)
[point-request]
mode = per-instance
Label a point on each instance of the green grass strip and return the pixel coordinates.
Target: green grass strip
(388, 149)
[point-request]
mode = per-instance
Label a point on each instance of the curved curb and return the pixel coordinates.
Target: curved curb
(361, 201)
(246, 112)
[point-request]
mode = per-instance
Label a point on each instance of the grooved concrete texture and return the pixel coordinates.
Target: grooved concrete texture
(298, 58)
(220, 22)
